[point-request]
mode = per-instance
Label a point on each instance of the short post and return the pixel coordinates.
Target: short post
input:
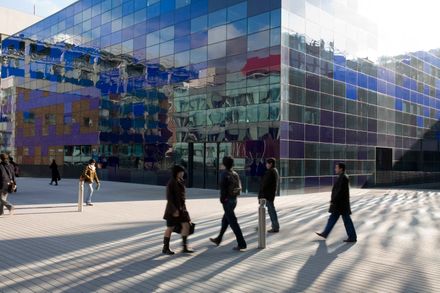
(262, 224)
(80, 195)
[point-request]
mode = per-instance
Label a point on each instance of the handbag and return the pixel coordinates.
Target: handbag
(12, 187)
(178, 228)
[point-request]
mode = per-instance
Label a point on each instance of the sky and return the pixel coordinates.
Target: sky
(404, 25)
(43, 8)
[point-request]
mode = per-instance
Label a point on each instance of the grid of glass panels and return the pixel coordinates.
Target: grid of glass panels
(340, 104)
(139, 81)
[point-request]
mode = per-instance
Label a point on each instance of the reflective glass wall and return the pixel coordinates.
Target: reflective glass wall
(343, 101)
(141, 85)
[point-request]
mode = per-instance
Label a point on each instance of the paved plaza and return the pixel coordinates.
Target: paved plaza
(115, 246)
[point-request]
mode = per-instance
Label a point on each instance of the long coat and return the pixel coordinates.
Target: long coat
(269, 184)
(340, 200)
(55, 172)
(176, 198)
(7, 175)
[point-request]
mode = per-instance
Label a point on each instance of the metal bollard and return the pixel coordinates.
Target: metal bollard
(80, 195)
(262, 224)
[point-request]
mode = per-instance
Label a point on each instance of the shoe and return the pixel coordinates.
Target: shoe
(273, 231)
(11, 210)
(321, 235)
(167, 251)
(187, 250)
(350, 240)
(238, 248)
(215, 241)
(89, 204)
(50, 183)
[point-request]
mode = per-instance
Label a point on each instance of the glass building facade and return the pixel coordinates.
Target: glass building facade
(141, 85)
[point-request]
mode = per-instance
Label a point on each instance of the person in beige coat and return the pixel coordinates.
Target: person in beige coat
(89, 176)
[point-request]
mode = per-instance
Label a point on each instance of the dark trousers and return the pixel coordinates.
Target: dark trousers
(348, 223)
(273, 215)
(4, 202)
(54, 179)
(229, 219)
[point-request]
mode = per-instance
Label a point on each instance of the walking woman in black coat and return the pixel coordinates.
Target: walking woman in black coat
(55, 173)
(176, 212)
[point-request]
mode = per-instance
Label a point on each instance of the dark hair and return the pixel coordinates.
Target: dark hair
(341, 166)
(176, 169)
(271, 161)
(92, 161)
(228, 162)
(3, 157)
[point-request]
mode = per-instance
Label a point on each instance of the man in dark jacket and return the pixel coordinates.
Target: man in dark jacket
(340, 206)
(7, 179)
(230, 187)
(268, 190)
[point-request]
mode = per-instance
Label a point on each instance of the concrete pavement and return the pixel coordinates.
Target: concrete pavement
(114, 246)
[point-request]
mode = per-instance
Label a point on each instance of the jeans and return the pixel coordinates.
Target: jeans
(348, 223)
(229, 219)
(4, 202)
(273, 215)
(90, 193)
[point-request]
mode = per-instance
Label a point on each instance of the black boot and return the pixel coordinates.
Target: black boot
(185, 245)
(166, 246)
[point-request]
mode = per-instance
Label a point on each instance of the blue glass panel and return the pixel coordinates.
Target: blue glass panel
(351, 92)
(339, 60)
(182, 3)
(259, 22)
(372, 83)
(236, 29)
(259, 41)
(419, 121)
(199, 7)
(183, 13)
(166, 19)
(199, 24)
(167, 6)
(217, 18)
(275, 18)
(128, 7)
(351, 76)
(199, 39)
(138, 5)
(405, 94)
(153, 24)
(339, 73)
(182, 29)
(413, 97)
(426, 111)
(362, 80)
(237, 11)
(398, 105)
(153, 10)
(182, 44)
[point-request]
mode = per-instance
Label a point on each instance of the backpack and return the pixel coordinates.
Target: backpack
(234, 187)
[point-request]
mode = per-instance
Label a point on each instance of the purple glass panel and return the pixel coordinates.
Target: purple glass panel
(296, 131)
(372, 138)
(284, 127)
(325, 181)
(339, 136)
(326, 134)
(362, 138)
(372, 125)
(362, 153)
(326, 118)
(296, 149)
(351, 137)
(284, 149)
(312, 133)
(312, 182)
(339, 120)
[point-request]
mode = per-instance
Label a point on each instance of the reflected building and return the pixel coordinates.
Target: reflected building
(142, 85)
